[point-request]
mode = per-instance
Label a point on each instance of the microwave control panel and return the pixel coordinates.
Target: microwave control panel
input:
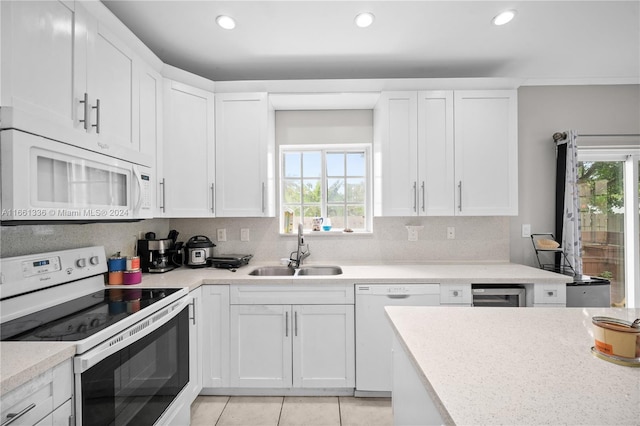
(145, 187)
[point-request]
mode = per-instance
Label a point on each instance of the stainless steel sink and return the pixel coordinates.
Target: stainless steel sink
(284, 271)
(319, 270)
(273, 271)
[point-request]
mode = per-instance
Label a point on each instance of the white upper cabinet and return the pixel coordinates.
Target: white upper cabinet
(187, 183)
(244, 156)
(486, 151)
(38, 63)
(395, 159)
(113, 87)
(435, 153)
(445, 153)
(65, 76)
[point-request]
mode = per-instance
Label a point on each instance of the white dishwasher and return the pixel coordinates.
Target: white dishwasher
(374, 333)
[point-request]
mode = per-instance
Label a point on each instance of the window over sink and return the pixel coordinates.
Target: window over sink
(331, 182)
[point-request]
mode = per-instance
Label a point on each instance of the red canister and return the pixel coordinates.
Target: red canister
(133, 263)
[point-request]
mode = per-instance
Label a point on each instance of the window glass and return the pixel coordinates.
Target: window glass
(601, 188)
(328, 183)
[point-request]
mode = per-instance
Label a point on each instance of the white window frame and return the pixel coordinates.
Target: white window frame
(324, 149)
(630, 157)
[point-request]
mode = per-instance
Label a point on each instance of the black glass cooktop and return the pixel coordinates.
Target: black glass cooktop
(79, 318)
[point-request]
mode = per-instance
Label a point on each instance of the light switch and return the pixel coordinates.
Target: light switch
(244, 234)
(526, 230)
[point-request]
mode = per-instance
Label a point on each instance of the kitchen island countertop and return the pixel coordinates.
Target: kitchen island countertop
(517, 366)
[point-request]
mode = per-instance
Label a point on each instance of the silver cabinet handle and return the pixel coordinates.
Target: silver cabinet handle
(286, 324)
(262, 197)
(193, 305)
(85, 104)
(415, 197)
(163, 195)
(295, 323)
(213, 198)
(97, 108)
(460, 195)
(12, 417)
(423, 196)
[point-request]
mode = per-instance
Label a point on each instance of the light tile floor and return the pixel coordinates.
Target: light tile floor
(290, 410)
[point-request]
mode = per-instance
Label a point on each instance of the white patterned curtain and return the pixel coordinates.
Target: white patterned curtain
(571, 234)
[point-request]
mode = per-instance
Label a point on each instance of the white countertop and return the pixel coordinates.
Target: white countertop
(524, 366)
(464, 273)
(22, 361)
(17, 369)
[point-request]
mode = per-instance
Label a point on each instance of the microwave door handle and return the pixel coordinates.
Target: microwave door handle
(84, 362)
(138, 179)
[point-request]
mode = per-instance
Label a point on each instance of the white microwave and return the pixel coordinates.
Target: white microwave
(46, 180)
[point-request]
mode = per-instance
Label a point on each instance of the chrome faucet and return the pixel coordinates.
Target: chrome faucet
(300, 254)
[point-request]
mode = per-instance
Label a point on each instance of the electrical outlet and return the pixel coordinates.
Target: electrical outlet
(244, 234)
(451, 233)
(222, 234)
(412, 232)
(526, 230)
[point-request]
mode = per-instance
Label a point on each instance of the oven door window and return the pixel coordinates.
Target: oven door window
(136, 385)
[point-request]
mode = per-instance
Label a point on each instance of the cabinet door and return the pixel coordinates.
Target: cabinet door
(396, 147)
(215, 341)
(195, 343)
(260, 353)
(241, 152)
(113, 91)
(323, 346)
(37, 63)
(435, 153)
(188, 151)
(486, 153)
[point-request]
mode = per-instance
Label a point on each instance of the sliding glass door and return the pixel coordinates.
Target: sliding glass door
(609, 187)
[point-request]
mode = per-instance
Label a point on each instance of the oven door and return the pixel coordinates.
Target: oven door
(132, 378)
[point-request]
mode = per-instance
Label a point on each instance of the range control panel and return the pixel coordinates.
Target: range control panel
(31, 272)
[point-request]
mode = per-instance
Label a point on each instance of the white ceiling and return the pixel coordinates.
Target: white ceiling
(595, 41)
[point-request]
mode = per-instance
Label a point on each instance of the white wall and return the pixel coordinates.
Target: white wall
(542, 111)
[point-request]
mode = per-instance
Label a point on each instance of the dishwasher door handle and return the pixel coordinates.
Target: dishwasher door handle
(398, 296)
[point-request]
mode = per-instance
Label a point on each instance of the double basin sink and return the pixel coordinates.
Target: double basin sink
(285, 271)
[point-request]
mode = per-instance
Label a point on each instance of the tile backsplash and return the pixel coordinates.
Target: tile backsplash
(476, 239)
(120, 236)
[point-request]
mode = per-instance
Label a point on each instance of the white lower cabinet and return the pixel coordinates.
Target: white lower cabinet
(549, 295)
(300, 346)
(308, 346)
(215, 333)
(44, 400)
(195, 343)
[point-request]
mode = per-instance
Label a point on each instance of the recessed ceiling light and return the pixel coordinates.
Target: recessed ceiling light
(504, 17)
(364, 19)
(226, 22)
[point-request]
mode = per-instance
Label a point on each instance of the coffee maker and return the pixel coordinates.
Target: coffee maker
(159, 255)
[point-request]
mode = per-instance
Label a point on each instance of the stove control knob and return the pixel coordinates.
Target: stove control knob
(81, 263)
(94, 260)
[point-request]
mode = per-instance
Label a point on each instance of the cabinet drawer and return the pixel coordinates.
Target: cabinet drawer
(550, 293)
(455, 294)
(37, 398)
(286, 294)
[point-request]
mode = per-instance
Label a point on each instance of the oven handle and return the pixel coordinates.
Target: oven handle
(132, 334)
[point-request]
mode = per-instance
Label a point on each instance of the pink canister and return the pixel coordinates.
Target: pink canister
(132, 277)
